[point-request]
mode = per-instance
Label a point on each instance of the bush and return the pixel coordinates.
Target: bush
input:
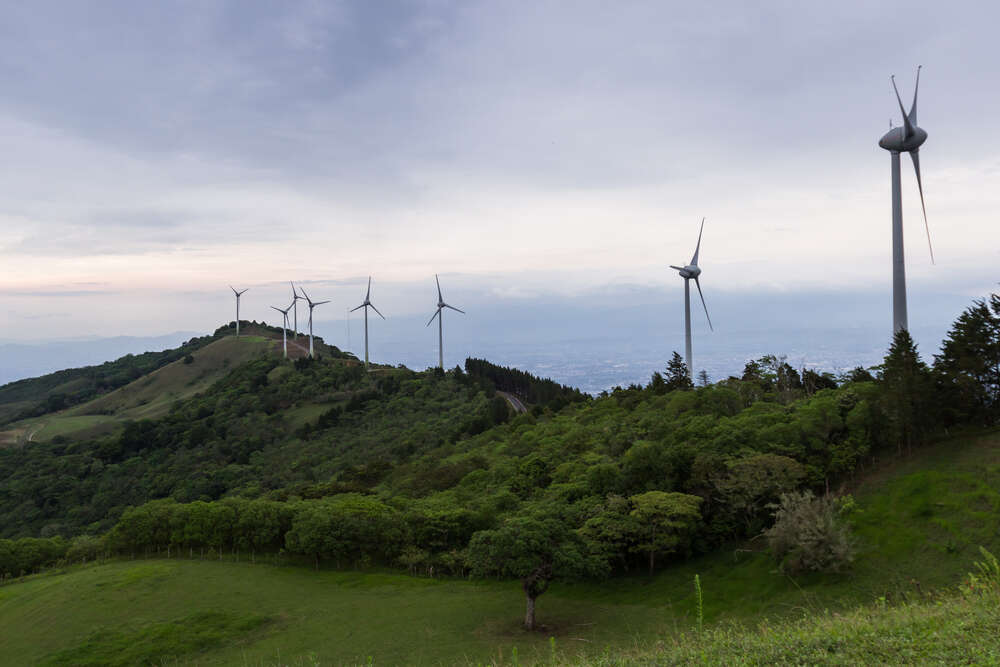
(809, 533)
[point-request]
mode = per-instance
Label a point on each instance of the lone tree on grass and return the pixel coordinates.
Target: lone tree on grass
(535, 550)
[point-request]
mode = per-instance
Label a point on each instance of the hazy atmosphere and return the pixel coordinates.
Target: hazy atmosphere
(549, 163)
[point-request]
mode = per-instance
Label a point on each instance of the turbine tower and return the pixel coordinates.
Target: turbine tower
(295, 302)
(366, 305)
(437, 313)
(284, 326)
(906, 138)
(687, 273)
(238, 295)
(312, 304)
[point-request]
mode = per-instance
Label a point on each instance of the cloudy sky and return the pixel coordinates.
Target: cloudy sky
(155, 152)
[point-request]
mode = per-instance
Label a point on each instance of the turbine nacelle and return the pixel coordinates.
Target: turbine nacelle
(896, 139)
(687, 272)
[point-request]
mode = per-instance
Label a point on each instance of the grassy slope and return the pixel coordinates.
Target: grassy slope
(920, 521)
(147, 397)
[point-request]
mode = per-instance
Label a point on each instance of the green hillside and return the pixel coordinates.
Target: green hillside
(156, 381)
(242, 613)
(784, 490)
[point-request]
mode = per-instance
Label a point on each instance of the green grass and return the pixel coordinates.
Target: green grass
(158, 642)
(919, 524)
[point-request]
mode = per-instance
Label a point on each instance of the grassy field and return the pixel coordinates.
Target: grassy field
(920, 524)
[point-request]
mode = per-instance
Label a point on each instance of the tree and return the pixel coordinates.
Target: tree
(535, 550)
(907, 391)
(703, 380)
(678, 375)
(752, 482)
(665, 520)
(612, 531)
(969, 363)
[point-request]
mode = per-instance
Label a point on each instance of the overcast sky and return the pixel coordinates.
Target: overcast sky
(154, 153)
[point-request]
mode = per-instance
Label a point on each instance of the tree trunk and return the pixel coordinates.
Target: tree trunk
(652, 555)
(529, 614)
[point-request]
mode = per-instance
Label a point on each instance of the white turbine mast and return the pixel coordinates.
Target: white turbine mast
(366, 305)
(284, 326)
(312, 304)
(238, 294)
(295, 303)
(689, 272)
(441, 305)
(908, 138)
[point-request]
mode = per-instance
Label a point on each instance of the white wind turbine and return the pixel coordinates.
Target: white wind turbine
(238, 295)
(906, 138)
(437, 313)
(312, 304)
(284, 326)
(295, 303)
(366, 305)
(687, 273)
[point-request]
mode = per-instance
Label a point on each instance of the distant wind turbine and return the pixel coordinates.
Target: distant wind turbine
(238, 295)
(437, 313)
(312, 304)
(687, 273)
(906, 138)
(366, 305)
(284, 326)
(295, 302)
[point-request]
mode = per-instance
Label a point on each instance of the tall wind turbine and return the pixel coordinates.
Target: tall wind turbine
(366, 305)
(284, 326)
(295, 302)
(437, 313)
(906, 138)
(312, 304)
(238, 295)
(687, 273)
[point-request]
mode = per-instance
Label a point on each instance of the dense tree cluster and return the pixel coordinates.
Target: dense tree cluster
(527, 387)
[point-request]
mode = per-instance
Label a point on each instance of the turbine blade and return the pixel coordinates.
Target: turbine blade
(439, 286)
(234, 289)
(913, 109)
(305, 295)
(698, 285)
(376, 310)
(358, 308)
(454, 308)
(915, 156)
(907, 126)
(369, 292)
(436, 313)
(295, 295)
(320, 303)
(679, 268)
(697, 248)
(277, 309)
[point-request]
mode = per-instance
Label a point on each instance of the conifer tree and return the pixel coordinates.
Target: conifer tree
(907, 391)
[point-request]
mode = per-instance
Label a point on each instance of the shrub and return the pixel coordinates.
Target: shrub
(809, 533)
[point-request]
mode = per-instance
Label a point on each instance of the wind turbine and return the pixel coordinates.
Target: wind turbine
(366, 305)
(441, 305)
(284, 326)
(295, 302)
(238, 295)
(312, 304)
(687, 273)
(906, 138)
